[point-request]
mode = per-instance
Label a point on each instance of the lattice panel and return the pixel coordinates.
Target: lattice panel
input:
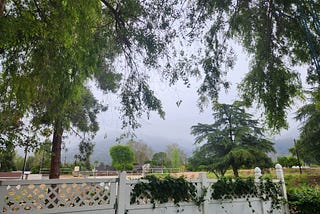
(48, 196)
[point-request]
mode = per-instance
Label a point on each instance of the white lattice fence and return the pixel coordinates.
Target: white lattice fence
(97, 196)
(58, 196)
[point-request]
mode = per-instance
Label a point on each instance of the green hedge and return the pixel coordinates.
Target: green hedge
(305, 200)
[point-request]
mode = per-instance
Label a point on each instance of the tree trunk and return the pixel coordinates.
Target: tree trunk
(56, 151)
(235, 171)
(2, 3)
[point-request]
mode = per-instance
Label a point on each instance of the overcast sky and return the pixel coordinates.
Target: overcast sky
(178, 120)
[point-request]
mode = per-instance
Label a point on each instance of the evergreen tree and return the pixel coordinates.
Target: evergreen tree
(308, 146)
(234, 140)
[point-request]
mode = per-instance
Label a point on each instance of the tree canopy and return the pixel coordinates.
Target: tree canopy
(50, 50)
(234, 140)
(277, 35)
(308, 146)
(122, 157)
(142, 152)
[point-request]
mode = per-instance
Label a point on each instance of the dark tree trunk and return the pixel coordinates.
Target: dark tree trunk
(235, 171)
(56, 152)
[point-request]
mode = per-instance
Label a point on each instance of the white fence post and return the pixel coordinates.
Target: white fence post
(257, 176)
(121, 197)
(280, 176)
(2, 196)
(205, 185)
(257, 173)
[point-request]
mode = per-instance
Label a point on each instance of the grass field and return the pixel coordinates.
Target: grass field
(310, 177)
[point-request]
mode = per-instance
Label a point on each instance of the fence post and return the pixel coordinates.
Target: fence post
(121, 196)
(205, 186)
(257, 173)
(3, 192)
(257, 176)
(280, 176)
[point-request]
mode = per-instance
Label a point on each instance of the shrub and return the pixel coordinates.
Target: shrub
(304, 201)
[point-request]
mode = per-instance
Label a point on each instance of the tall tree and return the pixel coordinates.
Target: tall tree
(50, 49)
(233, 140)
(142, 152)
(175, 159)
(86, 150)
(179, 153)
(308, 145)
(276, 34)
(7, 156)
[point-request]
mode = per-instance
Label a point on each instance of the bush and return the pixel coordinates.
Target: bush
(304, 201)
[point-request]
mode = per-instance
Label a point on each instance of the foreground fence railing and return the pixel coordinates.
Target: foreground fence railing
(113, 195)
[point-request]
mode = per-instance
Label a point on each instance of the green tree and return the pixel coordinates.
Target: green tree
(176, 159)
(180, 155)
(288, 161)
(308, 145)
(86, 150)
(234, 140)
(160, 159)
(122, 157)
(142, 152)
(7, 156)
(205, 158)
(277, 35)
(48, 56)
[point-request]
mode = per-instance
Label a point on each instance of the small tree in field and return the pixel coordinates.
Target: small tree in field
(122, 157)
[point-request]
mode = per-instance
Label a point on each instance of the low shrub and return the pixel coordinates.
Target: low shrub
(304, 200)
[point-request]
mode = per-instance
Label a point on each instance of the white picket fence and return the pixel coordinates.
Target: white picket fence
(112, 195)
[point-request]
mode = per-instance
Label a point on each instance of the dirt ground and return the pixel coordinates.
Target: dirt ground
(187, 175)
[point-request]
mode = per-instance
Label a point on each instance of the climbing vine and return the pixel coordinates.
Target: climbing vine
(162, 190)
(229, 189)
(156, 190)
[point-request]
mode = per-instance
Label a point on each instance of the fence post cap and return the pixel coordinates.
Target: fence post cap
(278, 166)
(257, 170)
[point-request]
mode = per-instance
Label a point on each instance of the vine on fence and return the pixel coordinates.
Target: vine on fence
(228, 189)
(162, 190)
(157, 190)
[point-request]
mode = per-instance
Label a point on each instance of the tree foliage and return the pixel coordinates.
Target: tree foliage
(142, 152)
(7, 156)
(122, 157)
(309, 143)
(160, 159)
(276, 35)
(176, 155)
(86, 150)
(234, 140)
(48, 56)
(288, 161)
